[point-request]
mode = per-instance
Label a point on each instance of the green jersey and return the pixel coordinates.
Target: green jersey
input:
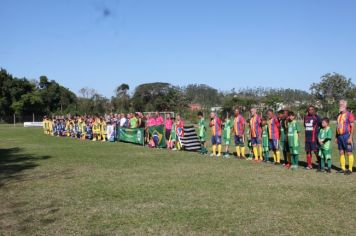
(133, 122)
(293, 130)
(325, 133)
(227, 129)
(265, 136)
(202, 129)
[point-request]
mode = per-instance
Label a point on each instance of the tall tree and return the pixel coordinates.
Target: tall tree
(330, 89)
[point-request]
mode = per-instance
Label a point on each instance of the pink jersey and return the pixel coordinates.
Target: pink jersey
(159, 120)
(151, 122)
(169, 124)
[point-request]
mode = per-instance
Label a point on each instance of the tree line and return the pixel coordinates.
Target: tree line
(24, 97)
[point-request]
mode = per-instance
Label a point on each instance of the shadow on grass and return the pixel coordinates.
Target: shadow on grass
(304, 164)
(13, 163)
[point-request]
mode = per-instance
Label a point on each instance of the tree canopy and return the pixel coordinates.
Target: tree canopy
(43, 96)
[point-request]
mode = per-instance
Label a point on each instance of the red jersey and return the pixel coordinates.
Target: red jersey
(344, 122)
(273, 128)
(255, 126)
(239, 125)
(215, 125)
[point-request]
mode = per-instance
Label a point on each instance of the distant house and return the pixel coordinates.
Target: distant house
(195, 106)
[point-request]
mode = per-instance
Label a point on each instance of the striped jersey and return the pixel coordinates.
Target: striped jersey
(273, 128)
(344, 122)
(255, 126)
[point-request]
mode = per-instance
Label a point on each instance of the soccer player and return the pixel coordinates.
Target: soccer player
(110, 132)
(239, 133)
(283, 132)
(67, 127)
(273, 136)
(133, 121)
(180, 129)
(324, 138)
(45, 125)
(344, 133)
(96, 129)
(173, 135)
(255, 130)
(248, 138)
(227, 135)
(82, 128)
(159, 119)
(293, 139)
(202, 133)
(103, 129)
(312, 124)
(215, 124)
(168, 126)
(50, 127)
(265, 141)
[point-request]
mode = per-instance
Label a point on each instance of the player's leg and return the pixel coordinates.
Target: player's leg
(237, 146)
(227, 145)
(308, 150)
(213, 143)
(328, 159)
(322, 161)
(260, 151)
(349, 149)
(255, 148)
(341, 146)
(276, 150)
(266, 153)
(242, 148)
(219, 145)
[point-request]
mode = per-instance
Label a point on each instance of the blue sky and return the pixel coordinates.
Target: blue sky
(225, 44)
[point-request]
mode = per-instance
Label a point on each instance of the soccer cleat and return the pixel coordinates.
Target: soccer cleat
(328, 170)
(212, 154)
(309, 168)
(348, 172)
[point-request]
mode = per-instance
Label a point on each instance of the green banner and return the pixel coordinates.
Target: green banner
(131, 135)
(158, 132)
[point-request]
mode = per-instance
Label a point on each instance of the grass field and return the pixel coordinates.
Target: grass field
(59, 186)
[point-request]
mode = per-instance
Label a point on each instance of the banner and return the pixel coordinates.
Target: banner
(131, 135)
(158, 132)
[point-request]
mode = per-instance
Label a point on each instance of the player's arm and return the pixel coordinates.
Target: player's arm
(352, 120)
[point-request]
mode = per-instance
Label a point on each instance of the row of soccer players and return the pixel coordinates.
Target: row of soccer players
(92, 128)
(104, 128)
(281, 133)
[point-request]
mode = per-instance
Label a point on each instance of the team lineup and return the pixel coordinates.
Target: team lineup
(273, 133)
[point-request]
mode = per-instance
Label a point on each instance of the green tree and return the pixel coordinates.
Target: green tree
(202, 94)
(330, 89)
(121, 102)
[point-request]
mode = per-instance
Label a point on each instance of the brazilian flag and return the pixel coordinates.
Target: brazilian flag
(158, 131)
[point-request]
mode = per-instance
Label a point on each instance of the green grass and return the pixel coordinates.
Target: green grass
(59, 186)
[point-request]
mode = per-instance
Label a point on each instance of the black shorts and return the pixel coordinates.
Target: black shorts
(168, 134)
(311, 146)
